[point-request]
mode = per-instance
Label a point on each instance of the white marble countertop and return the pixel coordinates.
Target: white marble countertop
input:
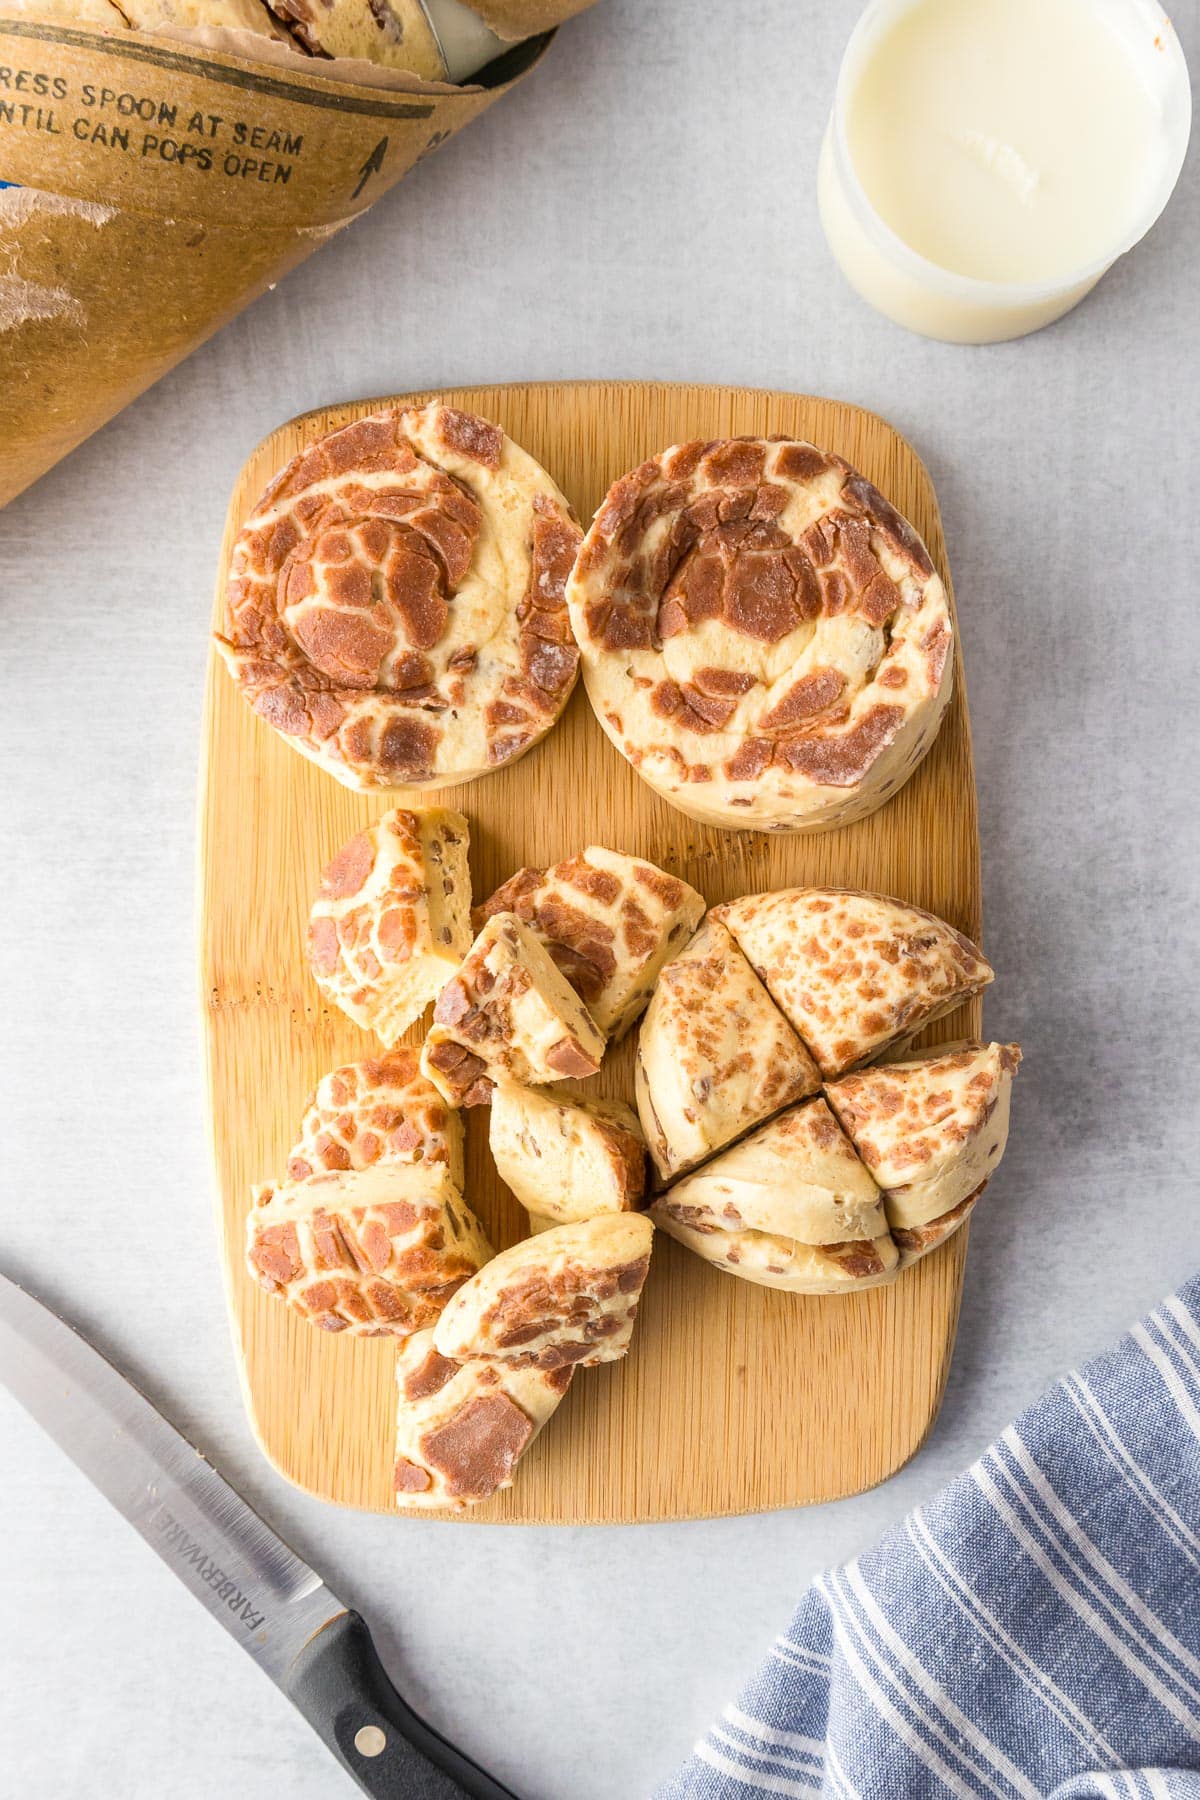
(599, 223)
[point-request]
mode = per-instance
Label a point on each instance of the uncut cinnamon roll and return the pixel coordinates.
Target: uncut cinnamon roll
(396, 605)
(763, 636)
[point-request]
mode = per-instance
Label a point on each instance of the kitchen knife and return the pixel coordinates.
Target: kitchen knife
(278, 1609)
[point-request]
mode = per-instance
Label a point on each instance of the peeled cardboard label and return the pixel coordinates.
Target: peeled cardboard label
(159, 187)
(139, 123)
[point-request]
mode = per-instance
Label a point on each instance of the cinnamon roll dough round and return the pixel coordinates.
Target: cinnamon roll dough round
(396, 605)
(763, 636)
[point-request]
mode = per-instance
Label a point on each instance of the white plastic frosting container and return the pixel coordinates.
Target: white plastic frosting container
(987, 160)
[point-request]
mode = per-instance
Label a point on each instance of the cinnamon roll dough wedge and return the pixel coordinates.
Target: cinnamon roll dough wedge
(376, 1252)
(932, 1132)
(853, 972)
(462, 1428)
(507, 1012)
(566, 1160)
(392, 918)
(791, 1207)
(763, 636)
(797, 1176)
(715, 1055)
(778, 1262)
(915, 1241)
(396, 604)
(567, 1296)
(379, 1111)
(609, 921)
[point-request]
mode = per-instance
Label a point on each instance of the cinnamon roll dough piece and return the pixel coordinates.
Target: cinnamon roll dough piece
(609, 921)
(175, 16)
(763, 636)
(508, 1011)
(396, 605)
(376, 1252)
(566, 1159)
(796, 1177)
(66, 12)
(462, 1428)
(916, 1241)
(568, 1295)
(715, 1055)
(394, 33)
(392, 919)
(853, 972)
(778, 1262)
(379, 1111)
(931, 1131)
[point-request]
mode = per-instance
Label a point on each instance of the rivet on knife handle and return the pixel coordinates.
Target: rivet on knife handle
(339, 1684)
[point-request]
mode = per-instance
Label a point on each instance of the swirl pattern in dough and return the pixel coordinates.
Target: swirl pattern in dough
(763, 636)
(396, 605)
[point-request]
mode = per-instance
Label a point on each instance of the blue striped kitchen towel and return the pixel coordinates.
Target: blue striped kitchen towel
(1033, 1632)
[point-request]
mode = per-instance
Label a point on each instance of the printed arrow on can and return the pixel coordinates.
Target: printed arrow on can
(372, 166)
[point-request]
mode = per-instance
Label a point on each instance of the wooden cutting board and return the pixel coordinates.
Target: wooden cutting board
(734, 1399)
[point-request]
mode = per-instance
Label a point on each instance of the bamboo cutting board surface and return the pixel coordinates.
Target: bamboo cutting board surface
(734, 1398)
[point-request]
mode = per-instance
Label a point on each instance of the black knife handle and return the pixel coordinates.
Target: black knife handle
(343, 1690)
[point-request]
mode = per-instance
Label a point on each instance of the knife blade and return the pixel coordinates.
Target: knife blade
(314, 1648)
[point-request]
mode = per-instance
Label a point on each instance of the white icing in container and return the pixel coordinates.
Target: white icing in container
(987, 160)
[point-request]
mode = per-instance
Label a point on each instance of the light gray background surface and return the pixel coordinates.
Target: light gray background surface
(642, 207)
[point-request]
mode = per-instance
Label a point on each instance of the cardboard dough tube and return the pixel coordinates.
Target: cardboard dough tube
(152, 185)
